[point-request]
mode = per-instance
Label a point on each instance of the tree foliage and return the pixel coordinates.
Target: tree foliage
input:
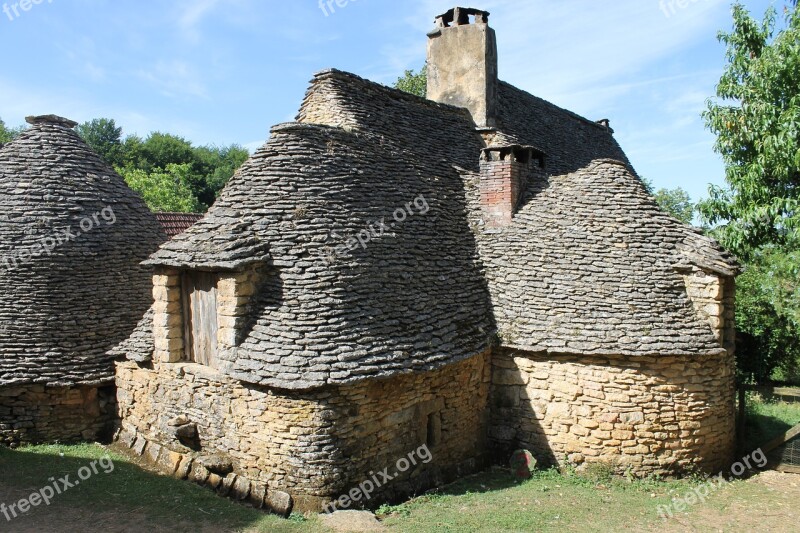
(198, 173)
(164, 190)
(8, 134)
(676, 202)
(756, 118)
(414, 82)
(768, 316)
(105, 138)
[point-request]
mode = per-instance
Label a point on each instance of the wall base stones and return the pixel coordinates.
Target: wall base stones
(642, 415)
(212, 471)
(313, 446)
(32, 414)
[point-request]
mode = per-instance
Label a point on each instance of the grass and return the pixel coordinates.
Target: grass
(148, 498)
(768, 419)
(130, 498)
(550, 501)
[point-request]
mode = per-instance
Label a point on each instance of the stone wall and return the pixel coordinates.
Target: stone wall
(313, 445)
(714, 299)
(645, 415)
(32, 414)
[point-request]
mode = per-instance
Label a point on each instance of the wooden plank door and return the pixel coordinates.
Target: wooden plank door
(200, 317)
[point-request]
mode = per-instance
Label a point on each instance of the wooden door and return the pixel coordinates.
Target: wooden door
(200, 317)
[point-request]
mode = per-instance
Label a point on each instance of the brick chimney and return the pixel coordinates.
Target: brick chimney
(462, 63)
(505, 173)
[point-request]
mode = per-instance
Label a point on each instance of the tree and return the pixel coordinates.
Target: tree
(105, 138)
(756, 118)
(217, 165)
(676, 202)
(768, 317)
(162, 149)
(414, 82)
(164, 190)
(202, 171)
(8, 134)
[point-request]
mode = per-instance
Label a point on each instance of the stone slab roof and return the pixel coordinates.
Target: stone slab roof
(61, 310)
(588, 267)
(590, 264)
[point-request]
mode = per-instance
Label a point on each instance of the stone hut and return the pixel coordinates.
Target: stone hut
(475, 272)
(72, 235)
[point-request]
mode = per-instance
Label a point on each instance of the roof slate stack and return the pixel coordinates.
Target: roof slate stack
(588, 265)
(411, 299)
(61, 311)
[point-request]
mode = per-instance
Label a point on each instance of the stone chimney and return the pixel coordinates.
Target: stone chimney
(505, 173)
(462, 63)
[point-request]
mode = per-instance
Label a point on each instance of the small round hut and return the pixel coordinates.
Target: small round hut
(72, 237)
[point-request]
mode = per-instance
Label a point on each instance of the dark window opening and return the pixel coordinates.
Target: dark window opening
(434, 432)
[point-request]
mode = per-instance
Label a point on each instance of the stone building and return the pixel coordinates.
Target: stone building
(477, 272)
(72, 235)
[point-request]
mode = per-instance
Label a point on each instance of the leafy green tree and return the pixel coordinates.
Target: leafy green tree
(105, 138)
(768, 317)
(756, 118)
(8, 134)
(676, 202)
(217, 165)
(164, 190)
(162, 149)
(414, 82)
(204, 170)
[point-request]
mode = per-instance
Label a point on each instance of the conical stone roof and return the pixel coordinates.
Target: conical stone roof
(72, 237)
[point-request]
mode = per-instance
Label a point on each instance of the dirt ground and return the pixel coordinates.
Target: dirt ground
(770, 503)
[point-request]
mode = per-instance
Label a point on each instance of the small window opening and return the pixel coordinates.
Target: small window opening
(434, 433)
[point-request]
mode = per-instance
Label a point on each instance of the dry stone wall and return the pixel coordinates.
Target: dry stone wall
(31, 414)
(644, 415)
(313, 446)
(714, 299)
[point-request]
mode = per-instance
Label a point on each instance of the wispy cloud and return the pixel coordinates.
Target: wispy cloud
(175, 79)
(191, 14)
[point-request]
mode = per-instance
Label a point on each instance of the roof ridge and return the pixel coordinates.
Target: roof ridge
(342, 74)
(558, 108)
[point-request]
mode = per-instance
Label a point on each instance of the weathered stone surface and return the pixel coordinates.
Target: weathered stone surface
(217, 463)
(462, 69)
(36, 414)
(379, 422)
(72, 236)
(662, 424)
(279, 502)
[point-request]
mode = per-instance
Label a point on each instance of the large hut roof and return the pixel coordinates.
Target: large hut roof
(72, 235)
(588, 266)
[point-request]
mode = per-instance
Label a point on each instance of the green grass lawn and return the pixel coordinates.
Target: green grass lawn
(130, 498)
(768, 419)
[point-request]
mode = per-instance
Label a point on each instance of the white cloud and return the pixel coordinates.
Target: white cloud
(175, 79)
(191, 14)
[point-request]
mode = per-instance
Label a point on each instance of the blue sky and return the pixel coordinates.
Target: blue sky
(225, 71)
